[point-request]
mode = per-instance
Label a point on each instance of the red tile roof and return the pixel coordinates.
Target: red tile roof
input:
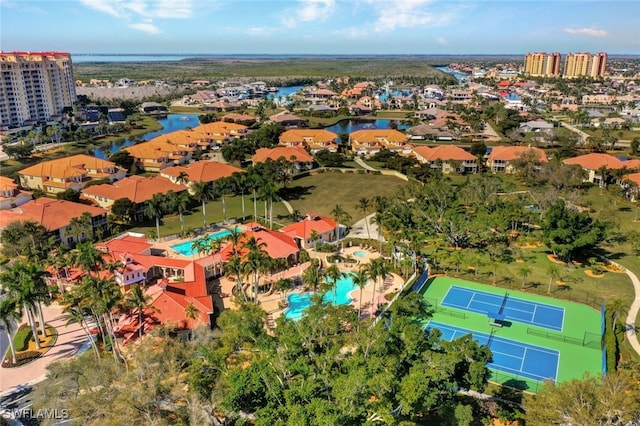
(594, 161)
(52, 214)
(127, 244)
(75, 165)
(138, 189)
(509, 153)
(632, 164)
(277, 244)
(444, 153)
(633, 177)
(203, 171)
(286, 152)
(310, 223)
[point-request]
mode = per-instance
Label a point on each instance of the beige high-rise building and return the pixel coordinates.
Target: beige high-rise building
(585, 65)
(34, 86)
(541, 64)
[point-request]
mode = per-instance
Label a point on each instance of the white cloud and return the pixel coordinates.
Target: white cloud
(258, 31)
(146, 27)
(591, 32)
(392, 15)
(113, 8)
(309, 11)
(442, 41)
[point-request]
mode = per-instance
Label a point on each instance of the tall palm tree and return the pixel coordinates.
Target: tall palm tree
(254, 182)
(75, 314)
(234, 237)
(225, 189)
(241, 181)
(340, 215)
(137, 299)
(333, 274)
(190, 311)
(524, 272)
(89, 258)
(363, 205)
(554, 272)
(235, 267)
(179, 202)
(360, 279)
(376, 269)
(203, 192)
(617, 308)
(10, 313)
(269, 194)
(81, 225)
(182, 178)
(256, 261)
(311, 276)
(155, 208)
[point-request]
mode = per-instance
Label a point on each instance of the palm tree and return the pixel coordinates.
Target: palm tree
(524, 272)
(254, 182)
(377, 268)
(340, 215)
(269, 194)
(190, 311)
(617, 308)
(75, 314)
(234, 237)
(182, 178)
(155, 208)
(88, 257)
(241, 181)
(235, 267)
(179, 202)
(256, 261)
(363, 205)
(554, 273)
(314, 238)
(136, 299)
(333, 274)
(360, 279)
(10, 313)
(225, 189)
(81, 225)
(311, 276)
(203, 192)
(283, 285)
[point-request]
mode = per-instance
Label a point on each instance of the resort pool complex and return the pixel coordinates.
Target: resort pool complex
(360, 253)
(188, 248)
(298, 302)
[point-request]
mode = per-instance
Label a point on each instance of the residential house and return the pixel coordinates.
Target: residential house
(631, 184)
(244, 119)
(10, 194)
(56, 217)
(426, 132)
(161, 152)
(447, 158)
(299, 158)
(221, 132)
(72, 172)
(536, 126)
(594, 163)
(137, 189)
(200, 171)
(501, 158)
(324, 229)
(153, 108)
(287, 119)
(313, 139)
(368, 142)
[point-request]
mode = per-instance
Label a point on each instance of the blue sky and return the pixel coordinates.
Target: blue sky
(320, 26)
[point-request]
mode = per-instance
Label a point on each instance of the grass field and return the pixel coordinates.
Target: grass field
(582, 325)
(321, 192)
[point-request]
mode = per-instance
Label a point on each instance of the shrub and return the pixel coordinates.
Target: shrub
(22, 338)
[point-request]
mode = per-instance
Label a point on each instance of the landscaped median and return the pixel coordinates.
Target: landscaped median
(25, 346)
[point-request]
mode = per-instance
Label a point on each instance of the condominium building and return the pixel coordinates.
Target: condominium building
(542, 64)
(585, 65)
(34, 86)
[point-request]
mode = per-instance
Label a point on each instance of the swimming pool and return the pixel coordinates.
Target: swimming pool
(360, 253)
(186, 248)
(298, 302)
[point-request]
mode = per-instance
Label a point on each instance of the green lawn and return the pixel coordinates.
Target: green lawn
(620, 133)
(321, 192)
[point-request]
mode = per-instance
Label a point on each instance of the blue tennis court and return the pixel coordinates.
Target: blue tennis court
(509, 308)
(509, 356)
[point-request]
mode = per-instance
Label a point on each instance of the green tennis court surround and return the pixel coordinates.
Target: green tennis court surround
(529, 321)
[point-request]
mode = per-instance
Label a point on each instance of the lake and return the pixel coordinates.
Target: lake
(352, 125)
(170, 123)
(459, 75)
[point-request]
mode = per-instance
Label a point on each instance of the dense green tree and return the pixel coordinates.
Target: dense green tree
(26, 238)
(123, 159)
(123, 210)
(327, 158)
(567, 231)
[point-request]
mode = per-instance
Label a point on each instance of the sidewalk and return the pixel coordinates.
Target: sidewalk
(70, 339)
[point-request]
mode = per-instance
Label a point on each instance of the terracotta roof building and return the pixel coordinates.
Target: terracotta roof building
(221, 132)
(10, 195)
(159, 153)
(313, 139)
(72, 172)
(370, 141)
(501, 157)
(200, 171)
(448, 158)
(303, 231)
(299, 158)
(277, 244)
(137, 189)
(56, 217)
(593, 162)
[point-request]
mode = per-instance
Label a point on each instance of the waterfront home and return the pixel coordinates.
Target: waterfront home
(368, 142)
(447, 158)
(72, 172)
(56, 217)
(199, 171)
(220, 132)
(312, 139)
(501, 158)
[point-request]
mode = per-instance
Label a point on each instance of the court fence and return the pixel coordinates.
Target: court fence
(590, 340)
(517, 382)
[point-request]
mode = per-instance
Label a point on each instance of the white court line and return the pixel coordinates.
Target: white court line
(524, 355)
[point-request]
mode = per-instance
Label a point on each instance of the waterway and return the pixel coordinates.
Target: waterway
(458, 75)
(170, 123)
(352, 125)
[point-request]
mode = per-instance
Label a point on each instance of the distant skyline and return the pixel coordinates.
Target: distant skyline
(320, 26)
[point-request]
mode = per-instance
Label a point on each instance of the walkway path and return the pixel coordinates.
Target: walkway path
(630, 324)
(359, 229)
(70, 339)
(583, 135)
(364, 165)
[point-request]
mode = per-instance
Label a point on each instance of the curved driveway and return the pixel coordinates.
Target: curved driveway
(630, 323)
